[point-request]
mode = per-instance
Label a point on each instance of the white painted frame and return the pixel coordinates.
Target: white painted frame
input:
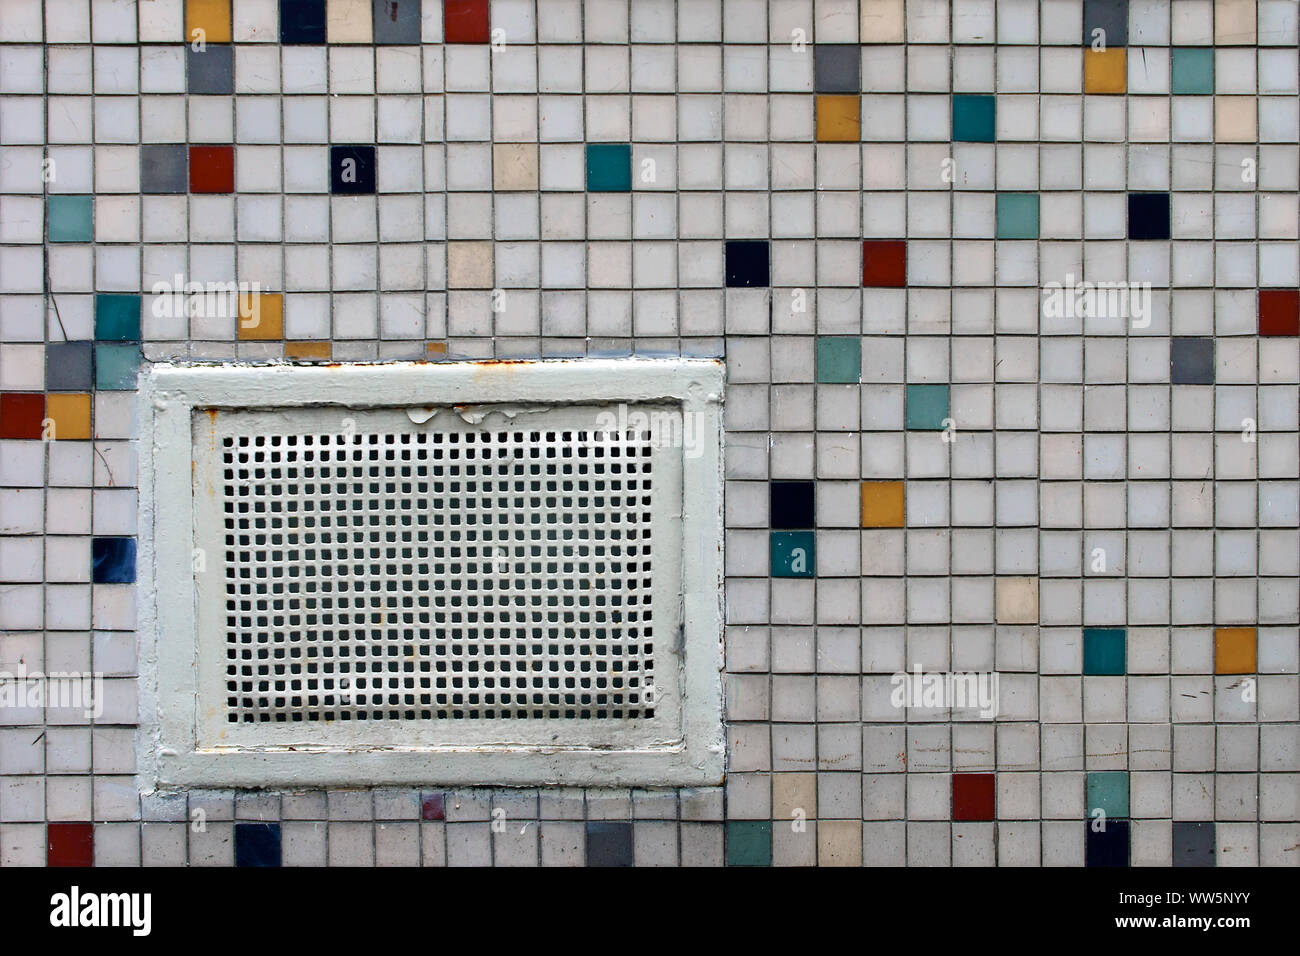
(170, 395)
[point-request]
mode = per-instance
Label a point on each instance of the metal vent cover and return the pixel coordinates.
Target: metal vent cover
(484, 563)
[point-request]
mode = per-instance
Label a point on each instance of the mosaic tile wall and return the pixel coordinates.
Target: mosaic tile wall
(942, 452)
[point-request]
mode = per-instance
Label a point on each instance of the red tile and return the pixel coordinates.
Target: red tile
(1279, 311)
(465, 21)
(71, 844)
(431, 806)
(884, 263)
(972, 796)
(21, 414)
(212, 169)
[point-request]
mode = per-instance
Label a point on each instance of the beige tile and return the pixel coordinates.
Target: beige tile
(1234, 22)
(882, 21)
(839, 843)
(469, 265)
(1234, 119)
(349, 21)
(514, 166)
(791, 792)
(1016, 600)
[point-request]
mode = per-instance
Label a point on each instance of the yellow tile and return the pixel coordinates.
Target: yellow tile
(436, 348)
(1234, 119)
(69, 415)
(839, 843)
(212, 17)
(1105, 71)
(794, 792)
(882, 504)
(882, 21)
(514, 166)
(261, 316)
(1016, 601)
(306, 350)
(469, 265)
(838, 118)
(1234, 22)
(349, 21)
(1234, 650)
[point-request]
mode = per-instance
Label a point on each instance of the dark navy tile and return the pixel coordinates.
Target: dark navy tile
(837, 68)
(748, 263)
(397, 21)
(352, 170)
(302, 21)
(1193, 843)
(1108, 847)
(609, 843)
(211, 71)
(791, 504)
(113, 560)
(69, 366)
(1148, 215)
(257, 844)
(1191, 361)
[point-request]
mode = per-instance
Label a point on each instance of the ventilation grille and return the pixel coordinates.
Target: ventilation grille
(402, 575)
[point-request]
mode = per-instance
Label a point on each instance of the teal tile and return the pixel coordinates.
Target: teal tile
(117, 318)
(927, 407)
(839, 359)
(1193, 71)
(1108, 790)
(793, 554)
(972, 118)
(116, 366)
(609, 167)
(1017, 216)
(749, 843)
(1103, 650)
(70, 218)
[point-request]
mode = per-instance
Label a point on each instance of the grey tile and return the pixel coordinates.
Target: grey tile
(164, 169)
(211, 71)
(1108, 15)
(837, 67)
(68, 366)
(609, 844)
(398, 21)
(1193, 843)
(1191, 361)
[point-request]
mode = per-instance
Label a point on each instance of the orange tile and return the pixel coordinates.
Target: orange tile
(1234, 650)
(261, 316)
(838, 118)
(882, 504)
(306, 350)
(1105, 71)
(210, 16)
(437, 348)
(69, 414)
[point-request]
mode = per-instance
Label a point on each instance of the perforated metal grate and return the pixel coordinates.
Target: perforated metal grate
(437, 574)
